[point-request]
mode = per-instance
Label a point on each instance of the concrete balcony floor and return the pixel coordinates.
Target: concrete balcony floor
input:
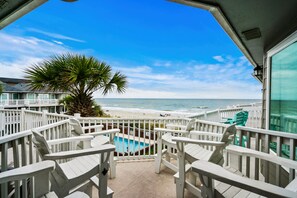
(138, 179)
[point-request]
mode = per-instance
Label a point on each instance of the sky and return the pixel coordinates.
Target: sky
(167, 50)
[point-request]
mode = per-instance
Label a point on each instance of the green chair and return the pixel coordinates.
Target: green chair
(239, 119)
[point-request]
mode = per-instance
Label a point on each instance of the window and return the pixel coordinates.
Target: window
(283, 90)
(4, 96)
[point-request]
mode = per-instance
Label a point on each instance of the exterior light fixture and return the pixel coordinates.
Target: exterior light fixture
(258, 72)
(69, 1)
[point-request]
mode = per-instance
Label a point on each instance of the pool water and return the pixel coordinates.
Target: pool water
(125, 145)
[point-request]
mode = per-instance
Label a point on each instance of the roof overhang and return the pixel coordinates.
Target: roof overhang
(11, 10)
(255, 26)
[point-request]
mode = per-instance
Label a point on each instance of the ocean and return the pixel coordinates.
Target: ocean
(176, 105)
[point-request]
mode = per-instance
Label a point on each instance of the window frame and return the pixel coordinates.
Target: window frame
(279, 47)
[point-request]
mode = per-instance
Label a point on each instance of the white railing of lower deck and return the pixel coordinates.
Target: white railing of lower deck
(219, 115)
(137, 138)
(14, 121)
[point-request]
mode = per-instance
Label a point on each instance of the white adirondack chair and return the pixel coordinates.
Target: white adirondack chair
(164, 140)
(229, 182)
(86, 163)
(22, 179)
(100, 138)
(208, 147)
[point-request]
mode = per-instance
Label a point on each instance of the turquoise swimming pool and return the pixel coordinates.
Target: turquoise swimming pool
(124, 145)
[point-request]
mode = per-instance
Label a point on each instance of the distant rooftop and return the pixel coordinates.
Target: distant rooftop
(17, 85)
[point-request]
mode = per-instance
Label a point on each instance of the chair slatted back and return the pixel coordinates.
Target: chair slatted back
(190, 126)
(241, 118)
(227, 137)
(76, 125)
(40, 144)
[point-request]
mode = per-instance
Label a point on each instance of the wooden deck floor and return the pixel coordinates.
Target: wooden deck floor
(138, 179)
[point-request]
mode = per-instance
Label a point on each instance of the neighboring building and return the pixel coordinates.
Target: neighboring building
(266, 33)
(17, 94)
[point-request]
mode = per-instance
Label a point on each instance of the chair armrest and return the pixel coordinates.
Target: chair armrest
(93, 127)
(26, 171)
(77, 153)
(292, 185)
(200, 142)
(218, 173)
(70, 139)
(238, 150)
(205, 133)
(170, 130)
(105, 132)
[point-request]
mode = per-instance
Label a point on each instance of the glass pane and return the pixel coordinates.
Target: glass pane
(30, 96)
(283, 104)
(283, 95)
(4, 96)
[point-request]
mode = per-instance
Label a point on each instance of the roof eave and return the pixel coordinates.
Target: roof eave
(221, 18)
(21, 11)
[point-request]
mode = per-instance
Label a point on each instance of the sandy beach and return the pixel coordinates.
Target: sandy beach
(143, 113)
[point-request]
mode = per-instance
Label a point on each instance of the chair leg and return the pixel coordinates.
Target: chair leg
(180, 182)
(103, 176)
(112, 163)
(158, 158)
(167, 154)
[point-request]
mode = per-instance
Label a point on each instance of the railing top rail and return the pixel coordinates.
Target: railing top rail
(60, 115)
(202, 114)
(10, 110)
(14, 136)
(269, 132)
(48, 126)
(139, 118)
(31, 111)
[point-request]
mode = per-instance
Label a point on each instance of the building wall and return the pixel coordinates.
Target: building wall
(264, 93)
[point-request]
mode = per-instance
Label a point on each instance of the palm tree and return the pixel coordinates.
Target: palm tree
(79, 75)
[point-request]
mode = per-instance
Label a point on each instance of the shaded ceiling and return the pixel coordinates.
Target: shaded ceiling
(11, 10)
(270, 21)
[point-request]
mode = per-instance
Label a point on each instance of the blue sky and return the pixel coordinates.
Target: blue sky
(167, 50)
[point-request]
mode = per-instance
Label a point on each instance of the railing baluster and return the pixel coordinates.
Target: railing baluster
(292, 157)
(248, 145)
(257, 142)
(4, 152)
(266, 150)
(16, 157)
(278, 167)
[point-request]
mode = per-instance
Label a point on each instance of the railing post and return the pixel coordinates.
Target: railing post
(22, 120)
(44, 117)
(77, 115)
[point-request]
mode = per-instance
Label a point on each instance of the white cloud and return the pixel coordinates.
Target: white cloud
(138, 93)
(229, 77)
(160, 63)
(55, 35)
(18, 53)
(219, 58)
(58, 42)
(16, 46)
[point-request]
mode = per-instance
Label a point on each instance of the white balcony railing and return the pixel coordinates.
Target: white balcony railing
(28, 102)
(137, 137)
